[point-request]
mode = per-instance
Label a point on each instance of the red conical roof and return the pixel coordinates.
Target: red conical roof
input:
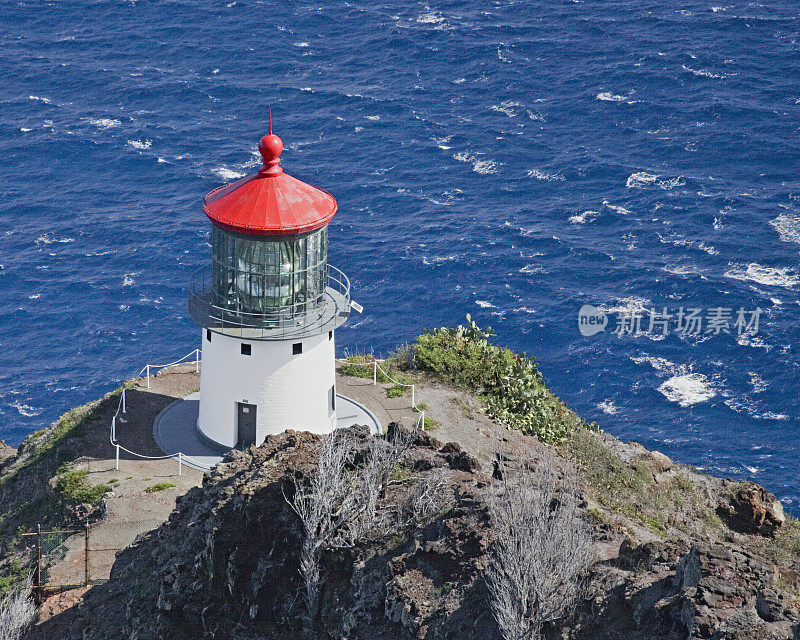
(270, 202)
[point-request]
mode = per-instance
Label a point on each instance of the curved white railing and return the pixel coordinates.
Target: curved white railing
(377, 367)
(122, 408)
(181, 457)
(146, 369)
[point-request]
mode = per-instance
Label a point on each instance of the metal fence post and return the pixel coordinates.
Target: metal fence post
(422, 421)
(148, 376)
(180, 463)
(374, 372)
(114, 429)
(117, 446)
(197, 360)
(413, 404)
(86, 580)
(124, 408)
(39, 585)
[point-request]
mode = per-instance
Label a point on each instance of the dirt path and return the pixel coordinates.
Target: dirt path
(457, 415)
(130, 508)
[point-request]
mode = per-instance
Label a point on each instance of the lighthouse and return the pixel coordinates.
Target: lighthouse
(269, 307)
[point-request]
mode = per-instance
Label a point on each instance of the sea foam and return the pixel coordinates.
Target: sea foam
(771, 276)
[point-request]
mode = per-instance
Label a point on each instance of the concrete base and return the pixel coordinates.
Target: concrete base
(175, 429)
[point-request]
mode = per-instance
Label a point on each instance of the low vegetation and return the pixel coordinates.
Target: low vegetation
(16, 575)
(159, 486)
(17, 612)
(73, 486)
(542, 548)
(509, 384)
(338, 504)
(784, 548)
(630, 489)
(363, 366)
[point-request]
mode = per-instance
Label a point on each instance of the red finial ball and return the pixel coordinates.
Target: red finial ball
(270, 147)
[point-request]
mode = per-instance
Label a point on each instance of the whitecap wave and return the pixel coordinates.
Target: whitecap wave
(704, 74)
(688, 389)
(771, 276)
(48, 239)
(484, 167)
(26, 410)
(627, 306)
(583, 218)
(607, 96)
(608, 407)
(544, 175)
(788, 227)
(757, 382)
(510, 108)
(616, 208)
(228, 174)
(485, 304)
(644, 180)
(430, 17)
(103, 123)
(141, 145)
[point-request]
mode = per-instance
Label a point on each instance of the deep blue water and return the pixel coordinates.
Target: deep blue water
(513, 160)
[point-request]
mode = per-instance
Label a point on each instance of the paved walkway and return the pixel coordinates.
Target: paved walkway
(175, 430)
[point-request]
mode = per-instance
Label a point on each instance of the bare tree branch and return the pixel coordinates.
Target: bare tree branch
(541, 550)
(339, 504)
(17, 613)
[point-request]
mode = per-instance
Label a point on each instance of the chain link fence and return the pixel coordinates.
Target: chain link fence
(66, 559)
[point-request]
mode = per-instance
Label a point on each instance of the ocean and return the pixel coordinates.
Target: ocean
(511, 160)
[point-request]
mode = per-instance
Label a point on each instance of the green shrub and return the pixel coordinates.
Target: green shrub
(356, 365)
(784, 548)
(160, 486)
(73, 486)
(401, 473)
(16, 575)
(510, 384)
(429, 424)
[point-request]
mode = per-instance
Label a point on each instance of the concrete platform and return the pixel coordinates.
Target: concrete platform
(175, 428)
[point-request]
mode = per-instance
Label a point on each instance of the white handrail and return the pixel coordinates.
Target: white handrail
(122, 407)
(146, 368)
(375, 367)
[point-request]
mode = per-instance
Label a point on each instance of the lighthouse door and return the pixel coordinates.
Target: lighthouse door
(246, 420)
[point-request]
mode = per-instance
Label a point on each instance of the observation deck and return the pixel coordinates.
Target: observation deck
(280, 323)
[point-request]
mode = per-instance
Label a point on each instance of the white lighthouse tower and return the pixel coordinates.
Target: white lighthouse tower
(269, 307)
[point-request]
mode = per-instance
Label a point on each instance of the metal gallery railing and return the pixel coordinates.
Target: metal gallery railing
(280, 322)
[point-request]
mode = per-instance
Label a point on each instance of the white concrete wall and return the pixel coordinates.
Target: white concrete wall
(290, 391)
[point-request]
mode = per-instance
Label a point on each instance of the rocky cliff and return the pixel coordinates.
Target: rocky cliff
(677, 554)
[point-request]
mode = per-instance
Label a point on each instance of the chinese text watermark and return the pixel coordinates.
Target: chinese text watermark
(684, 321)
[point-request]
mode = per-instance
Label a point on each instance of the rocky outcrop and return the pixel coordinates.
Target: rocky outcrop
(749, 508)
(225, 565)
